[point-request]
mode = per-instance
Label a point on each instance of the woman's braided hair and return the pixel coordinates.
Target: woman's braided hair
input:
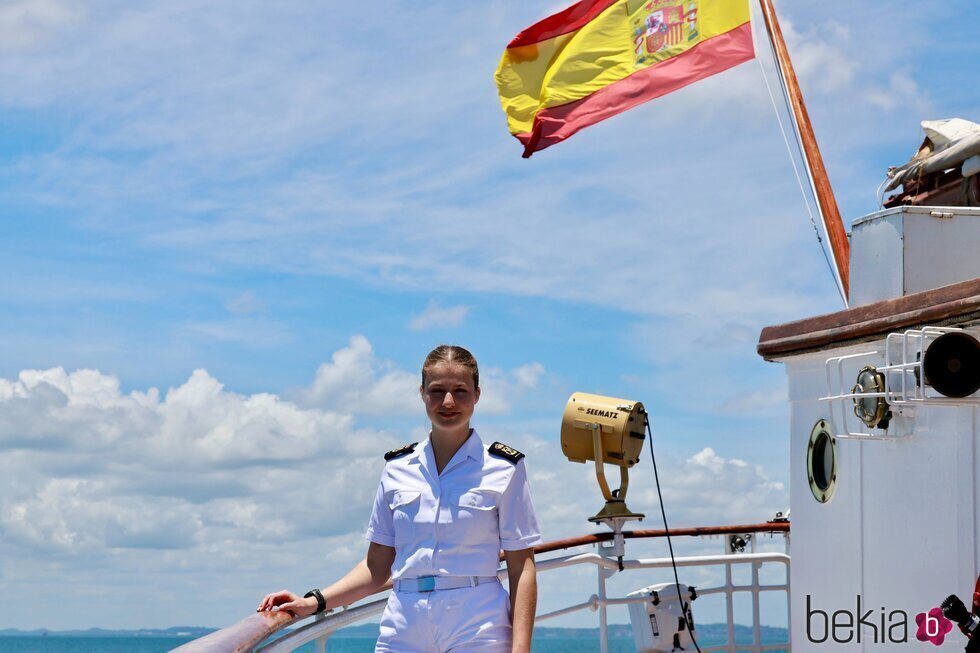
(452, 354)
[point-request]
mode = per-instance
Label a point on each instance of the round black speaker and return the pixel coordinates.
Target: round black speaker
(951, 364)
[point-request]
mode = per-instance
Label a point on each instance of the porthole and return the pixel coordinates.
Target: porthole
(821, 462)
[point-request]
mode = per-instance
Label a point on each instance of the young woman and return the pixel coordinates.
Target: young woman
(443, 512)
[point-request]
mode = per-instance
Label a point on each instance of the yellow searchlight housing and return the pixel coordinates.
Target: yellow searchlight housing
(606, 430)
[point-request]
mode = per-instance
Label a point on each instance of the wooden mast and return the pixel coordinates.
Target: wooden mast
(811, 153)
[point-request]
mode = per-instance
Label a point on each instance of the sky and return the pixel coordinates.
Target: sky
(231, 232)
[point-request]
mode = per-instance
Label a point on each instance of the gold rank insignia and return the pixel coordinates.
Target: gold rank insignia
(503, 451)
(401, 451)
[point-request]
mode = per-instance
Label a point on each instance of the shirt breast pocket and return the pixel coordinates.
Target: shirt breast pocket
(476, 514)
(404, 505)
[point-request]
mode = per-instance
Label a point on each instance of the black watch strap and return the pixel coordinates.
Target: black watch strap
(321, 603)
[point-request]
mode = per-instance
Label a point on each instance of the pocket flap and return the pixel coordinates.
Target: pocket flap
(403, 497)
(479, 499)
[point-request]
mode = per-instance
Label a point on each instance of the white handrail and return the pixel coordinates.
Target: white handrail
(323, 627)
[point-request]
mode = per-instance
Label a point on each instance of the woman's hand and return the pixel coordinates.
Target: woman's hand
(286, 600)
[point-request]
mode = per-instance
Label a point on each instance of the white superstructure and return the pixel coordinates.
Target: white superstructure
(887, 516)
(909, 249)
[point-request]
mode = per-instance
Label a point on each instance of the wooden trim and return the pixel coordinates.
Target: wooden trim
(240, 637)
(697, 531)
(811, 152)
(959, 302)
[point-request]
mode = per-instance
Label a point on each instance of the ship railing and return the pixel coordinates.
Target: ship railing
(252, 634)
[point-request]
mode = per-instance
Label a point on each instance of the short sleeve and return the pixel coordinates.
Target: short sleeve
(381, 527)
(518, 525)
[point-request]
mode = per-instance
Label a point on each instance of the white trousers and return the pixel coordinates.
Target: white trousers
(464, 620)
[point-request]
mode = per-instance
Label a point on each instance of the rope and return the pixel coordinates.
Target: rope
(796, 171)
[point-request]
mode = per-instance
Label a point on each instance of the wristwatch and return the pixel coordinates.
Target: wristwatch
(321, 603)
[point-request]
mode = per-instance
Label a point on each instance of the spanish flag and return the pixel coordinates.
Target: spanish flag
(601, 57)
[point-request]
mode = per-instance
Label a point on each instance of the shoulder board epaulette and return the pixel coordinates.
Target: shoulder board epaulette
(401, 451)
(503, 451)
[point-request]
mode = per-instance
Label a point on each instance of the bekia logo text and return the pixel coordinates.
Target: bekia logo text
(875, 626)
(843, 626)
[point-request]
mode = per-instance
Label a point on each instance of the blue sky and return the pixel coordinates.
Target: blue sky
(300, 201)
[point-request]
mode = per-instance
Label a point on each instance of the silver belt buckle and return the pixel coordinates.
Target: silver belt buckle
(426, 584)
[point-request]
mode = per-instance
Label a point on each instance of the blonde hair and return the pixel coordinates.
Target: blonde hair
(452, 354)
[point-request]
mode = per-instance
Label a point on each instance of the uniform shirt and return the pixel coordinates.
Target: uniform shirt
(454, 523)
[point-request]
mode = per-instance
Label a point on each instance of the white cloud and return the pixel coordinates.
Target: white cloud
(527, 376)
(90, 472)
(76, 516)
(244, 303)
(197, 424)
(27, 24)
(821, 54)
(901, 91)
(437, 316)
(240, 330)
(755, 402)
(501, 390)
(711, 489)
(355, 380)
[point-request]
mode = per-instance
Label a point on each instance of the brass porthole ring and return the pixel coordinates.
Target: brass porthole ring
(821, 462)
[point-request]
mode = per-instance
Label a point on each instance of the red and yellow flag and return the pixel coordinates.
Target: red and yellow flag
(600, 57)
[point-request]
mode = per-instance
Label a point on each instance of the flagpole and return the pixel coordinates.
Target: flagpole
(819, 181)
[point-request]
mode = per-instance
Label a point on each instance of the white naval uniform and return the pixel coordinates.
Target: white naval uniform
(451, 524)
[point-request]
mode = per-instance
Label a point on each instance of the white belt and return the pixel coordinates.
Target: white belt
(432, 583)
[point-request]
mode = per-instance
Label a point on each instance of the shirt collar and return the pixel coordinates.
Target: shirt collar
(472, 448)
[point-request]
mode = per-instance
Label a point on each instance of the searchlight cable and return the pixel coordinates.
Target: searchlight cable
(685, 606)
